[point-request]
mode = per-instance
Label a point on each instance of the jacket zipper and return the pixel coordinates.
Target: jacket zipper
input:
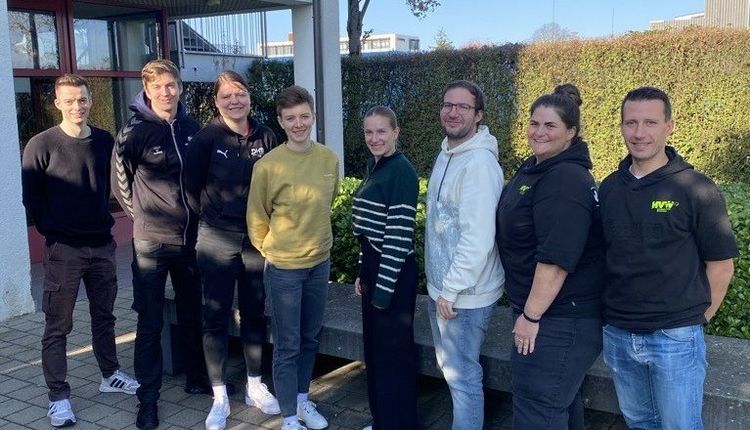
(182, 188)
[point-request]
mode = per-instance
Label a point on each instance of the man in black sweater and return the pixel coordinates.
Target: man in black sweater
(66, 192)
(147, 180)
(669, 248)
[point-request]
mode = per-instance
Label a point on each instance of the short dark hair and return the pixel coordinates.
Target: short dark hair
(470, 87)
(293, 96)
(385, 112)
(229, 77)
(565, 100)
(71, 80)
(648, 93)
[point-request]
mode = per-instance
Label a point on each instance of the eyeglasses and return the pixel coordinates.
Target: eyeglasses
(460, 107)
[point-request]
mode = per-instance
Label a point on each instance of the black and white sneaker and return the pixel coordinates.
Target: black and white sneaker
(61, 414)
(119, 382)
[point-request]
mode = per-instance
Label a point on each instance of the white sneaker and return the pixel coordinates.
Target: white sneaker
(119, 382)
(307, 413)
(293, 426)
(367, 428)
(217, 418)
(61, 413)
(258, 395)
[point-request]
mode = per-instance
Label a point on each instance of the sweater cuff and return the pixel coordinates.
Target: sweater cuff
(381, 299)
(449, 295)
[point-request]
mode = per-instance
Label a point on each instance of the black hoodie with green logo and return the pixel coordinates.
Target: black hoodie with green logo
(659, 231)
(548, 213)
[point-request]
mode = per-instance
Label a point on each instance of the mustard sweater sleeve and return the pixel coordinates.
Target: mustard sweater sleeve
(259, 207)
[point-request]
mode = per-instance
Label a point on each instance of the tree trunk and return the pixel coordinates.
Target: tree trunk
(354, 26)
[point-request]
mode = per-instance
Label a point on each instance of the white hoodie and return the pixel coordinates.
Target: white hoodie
(462, 263)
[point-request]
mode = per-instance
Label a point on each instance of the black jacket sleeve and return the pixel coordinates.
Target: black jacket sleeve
(197, 162)
(125, 159)
(563, 205)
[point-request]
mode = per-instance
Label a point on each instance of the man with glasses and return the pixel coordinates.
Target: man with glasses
(66, 191)
(464, 274)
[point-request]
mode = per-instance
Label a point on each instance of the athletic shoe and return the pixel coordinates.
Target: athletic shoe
(293, 426)
(367, 428)
(119, 382)
(217, 418)
(307, 413)
(61, 413)
(148, 416)
(258, 395)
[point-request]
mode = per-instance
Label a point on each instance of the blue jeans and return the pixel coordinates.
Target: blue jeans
(458, 342)
(298, 301)
(658, 376)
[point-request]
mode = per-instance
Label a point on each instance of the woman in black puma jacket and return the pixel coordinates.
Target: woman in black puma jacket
(219, 166)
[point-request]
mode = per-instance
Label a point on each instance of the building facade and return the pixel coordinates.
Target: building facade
(108, 42)
(372, 44)
(718, 13)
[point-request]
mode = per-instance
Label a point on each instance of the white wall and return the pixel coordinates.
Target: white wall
(334, 120)
(304, 69)
(15, 277)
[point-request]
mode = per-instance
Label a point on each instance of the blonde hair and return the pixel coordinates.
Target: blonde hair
(154, 68)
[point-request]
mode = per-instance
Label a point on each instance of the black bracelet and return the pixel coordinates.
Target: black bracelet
(529, 319)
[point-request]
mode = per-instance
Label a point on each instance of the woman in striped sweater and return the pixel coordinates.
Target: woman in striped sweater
(383, 216)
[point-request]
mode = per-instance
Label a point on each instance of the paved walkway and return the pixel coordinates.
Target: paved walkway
(339, 388)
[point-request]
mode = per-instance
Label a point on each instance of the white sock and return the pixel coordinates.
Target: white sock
(253, 381)
(291, 420)
(301, 397)
(220, 393)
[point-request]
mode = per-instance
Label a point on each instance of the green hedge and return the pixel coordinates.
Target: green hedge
(733, 318)
(706, 72)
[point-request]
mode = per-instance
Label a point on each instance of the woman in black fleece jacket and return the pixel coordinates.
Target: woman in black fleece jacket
(550, 242)
(218, 170)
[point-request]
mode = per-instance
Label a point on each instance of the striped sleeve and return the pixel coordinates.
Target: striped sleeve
(398, 237)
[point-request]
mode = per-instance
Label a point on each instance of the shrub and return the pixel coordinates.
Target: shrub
(704, 70)
(733, 318)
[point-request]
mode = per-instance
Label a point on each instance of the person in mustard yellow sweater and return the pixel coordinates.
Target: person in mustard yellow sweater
(289, 221)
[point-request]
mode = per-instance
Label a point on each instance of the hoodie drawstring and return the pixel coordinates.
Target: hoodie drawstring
(440, 187)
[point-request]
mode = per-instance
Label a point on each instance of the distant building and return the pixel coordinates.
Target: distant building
(374, 43)
(718, 13)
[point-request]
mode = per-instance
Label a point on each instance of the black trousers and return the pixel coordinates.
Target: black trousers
(546, 383)
(390, 353)
(226, 258)
(64, 268)
(152, 261)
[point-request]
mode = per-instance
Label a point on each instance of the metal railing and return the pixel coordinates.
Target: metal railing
(239, 34)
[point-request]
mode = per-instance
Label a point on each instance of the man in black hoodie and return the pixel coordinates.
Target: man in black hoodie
(147, 180)
(66, 191)
(669, 248)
